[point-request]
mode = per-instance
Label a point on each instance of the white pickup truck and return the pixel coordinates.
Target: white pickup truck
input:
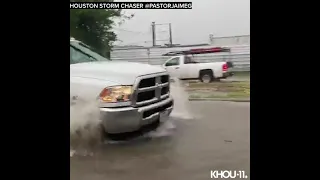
(184, 67)
(130, 95)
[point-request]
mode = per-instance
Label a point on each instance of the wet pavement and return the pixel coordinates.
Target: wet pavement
(216, 138)
(238, 78)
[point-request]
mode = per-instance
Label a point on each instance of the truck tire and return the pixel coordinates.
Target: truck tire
(206, 76)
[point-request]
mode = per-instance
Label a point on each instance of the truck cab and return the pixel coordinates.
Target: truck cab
(183, 66)
(180, 67)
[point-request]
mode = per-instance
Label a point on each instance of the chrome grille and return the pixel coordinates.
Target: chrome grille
(150, 89)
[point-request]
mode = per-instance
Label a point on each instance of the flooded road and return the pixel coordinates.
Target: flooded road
(216, 138)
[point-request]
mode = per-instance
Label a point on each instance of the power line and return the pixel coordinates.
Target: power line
(119, 29)
(137, 42)
(162, 31)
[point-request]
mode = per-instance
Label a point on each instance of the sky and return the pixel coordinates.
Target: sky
(189, 26)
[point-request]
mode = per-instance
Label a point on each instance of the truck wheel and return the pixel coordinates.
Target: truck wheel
(206, 76)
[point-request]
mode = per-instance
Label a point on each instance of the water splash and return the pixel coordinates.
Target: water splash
(165, 129)
(85, 129)
(181, 108)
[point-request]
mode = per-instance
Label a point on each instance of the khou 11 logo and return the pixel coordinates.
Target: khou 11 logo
(228, 174)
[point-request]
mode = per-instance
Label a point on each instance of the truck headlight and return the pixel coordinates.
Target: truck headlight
(116, 94)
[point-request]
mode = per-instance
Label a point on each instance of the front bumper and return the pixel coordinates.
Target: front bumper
(129, 119)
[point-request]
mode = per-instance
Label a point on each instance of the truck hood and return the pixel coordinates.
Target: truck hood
(120, 72)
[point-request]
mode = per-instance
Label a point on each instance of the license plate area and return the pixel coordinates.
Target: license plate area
(157, 110)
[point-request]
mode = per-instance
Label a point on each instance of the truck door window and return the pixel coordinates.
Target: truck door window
(173, 62)
(189, 60)
(77, 56)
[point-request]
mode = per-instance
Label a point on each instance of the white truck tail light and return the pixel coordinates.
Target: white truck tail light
(224, 67)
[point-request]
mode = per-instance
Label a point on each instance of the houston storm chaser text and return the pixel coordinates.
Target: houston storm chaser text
(130, 5)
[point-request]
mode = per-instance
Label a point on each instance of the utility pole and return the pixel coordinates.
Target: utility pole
(170, 35)
(211, 39)
(153, 28)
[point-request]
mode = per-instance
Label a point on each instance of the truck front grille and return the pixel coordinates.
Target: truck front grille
(147, 82)
(164, 90)
(151, 89)
(144, 96)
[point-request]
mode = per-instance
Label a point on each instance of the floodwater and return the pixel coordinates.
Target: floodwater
(199, 137)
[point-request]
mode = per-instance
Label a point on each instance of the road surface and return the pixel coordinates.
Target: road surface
(216, 138)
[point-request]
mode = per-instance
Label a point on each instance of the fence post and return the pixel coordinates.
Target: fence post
(148, 53)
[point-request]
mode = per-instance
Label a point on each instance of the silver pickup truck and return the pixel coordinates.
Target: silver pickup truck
(130, 95)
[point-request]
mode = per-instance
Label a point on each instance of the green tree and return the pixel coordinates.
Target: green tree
(94, 26)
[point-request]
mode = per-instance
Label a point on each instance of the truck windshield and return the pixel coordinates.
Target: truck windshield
(80, 53)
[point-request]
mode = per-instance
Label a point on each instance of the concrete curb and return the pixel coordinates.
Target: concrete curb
(220, 99)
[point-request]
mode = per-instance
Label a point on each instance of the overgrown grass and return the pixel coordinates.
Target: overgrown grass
(229, 86)
(227, 95)
(220, 90)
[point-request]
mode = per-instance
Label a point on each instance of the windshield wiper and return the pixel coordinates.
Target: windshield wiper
(84, 45)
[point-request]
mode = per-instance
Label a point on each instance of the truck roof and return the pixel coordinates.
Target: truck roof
(86, 49)
(73, 41)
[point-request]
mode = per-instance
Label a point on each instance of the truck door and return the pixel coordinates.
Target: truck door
(187, 69)
(173, 67)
